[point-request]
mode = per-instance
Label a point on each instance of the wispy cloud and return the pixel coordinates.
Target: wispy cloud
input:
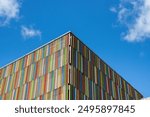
(30, 32)
(113, 9)
(135, 15)
(9, 9)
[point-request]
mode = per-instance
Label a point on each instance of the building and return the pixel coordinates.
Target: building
(64, 68)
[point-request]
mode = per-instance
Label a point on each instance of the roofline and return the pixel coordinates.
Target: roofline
(36, 49)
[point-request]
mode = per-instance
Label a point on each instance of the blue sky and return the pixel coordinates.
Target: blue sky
(116, 30)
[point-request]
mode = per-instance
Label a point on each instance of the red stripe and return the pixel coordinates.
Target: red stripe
(18, 92)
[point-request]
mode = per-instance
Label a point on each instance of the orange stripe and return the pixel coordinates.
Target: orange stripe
(3, 85)
(40, 97)
(25, 61)
(18, 92)
(0, 72)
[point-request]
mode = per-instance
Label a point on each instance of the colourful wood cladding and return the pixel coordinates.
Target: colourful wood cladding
(37, 73)
(63, 69)
(14, 88)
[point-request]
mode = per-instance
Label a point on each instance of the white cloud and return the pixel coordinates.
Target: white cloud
(9, 9)
(135, 15)
(30, 32)
(113, 9)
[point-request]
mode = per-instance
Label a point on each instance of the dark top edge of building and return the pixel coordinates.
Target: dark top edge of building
(106, 63)
(35, 49)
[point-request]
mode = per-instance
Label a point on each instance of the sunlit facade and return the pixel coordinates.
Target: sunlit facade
(63, 69)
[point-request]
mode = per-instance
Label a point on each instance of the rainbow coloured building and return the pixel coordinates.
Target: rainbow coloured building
(63, 69)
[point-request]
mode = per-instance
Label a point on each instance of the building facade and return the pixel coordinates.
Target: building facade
(63, 69)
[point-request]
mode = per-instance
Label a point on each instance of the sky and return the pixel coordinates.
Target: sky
(118, 31)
